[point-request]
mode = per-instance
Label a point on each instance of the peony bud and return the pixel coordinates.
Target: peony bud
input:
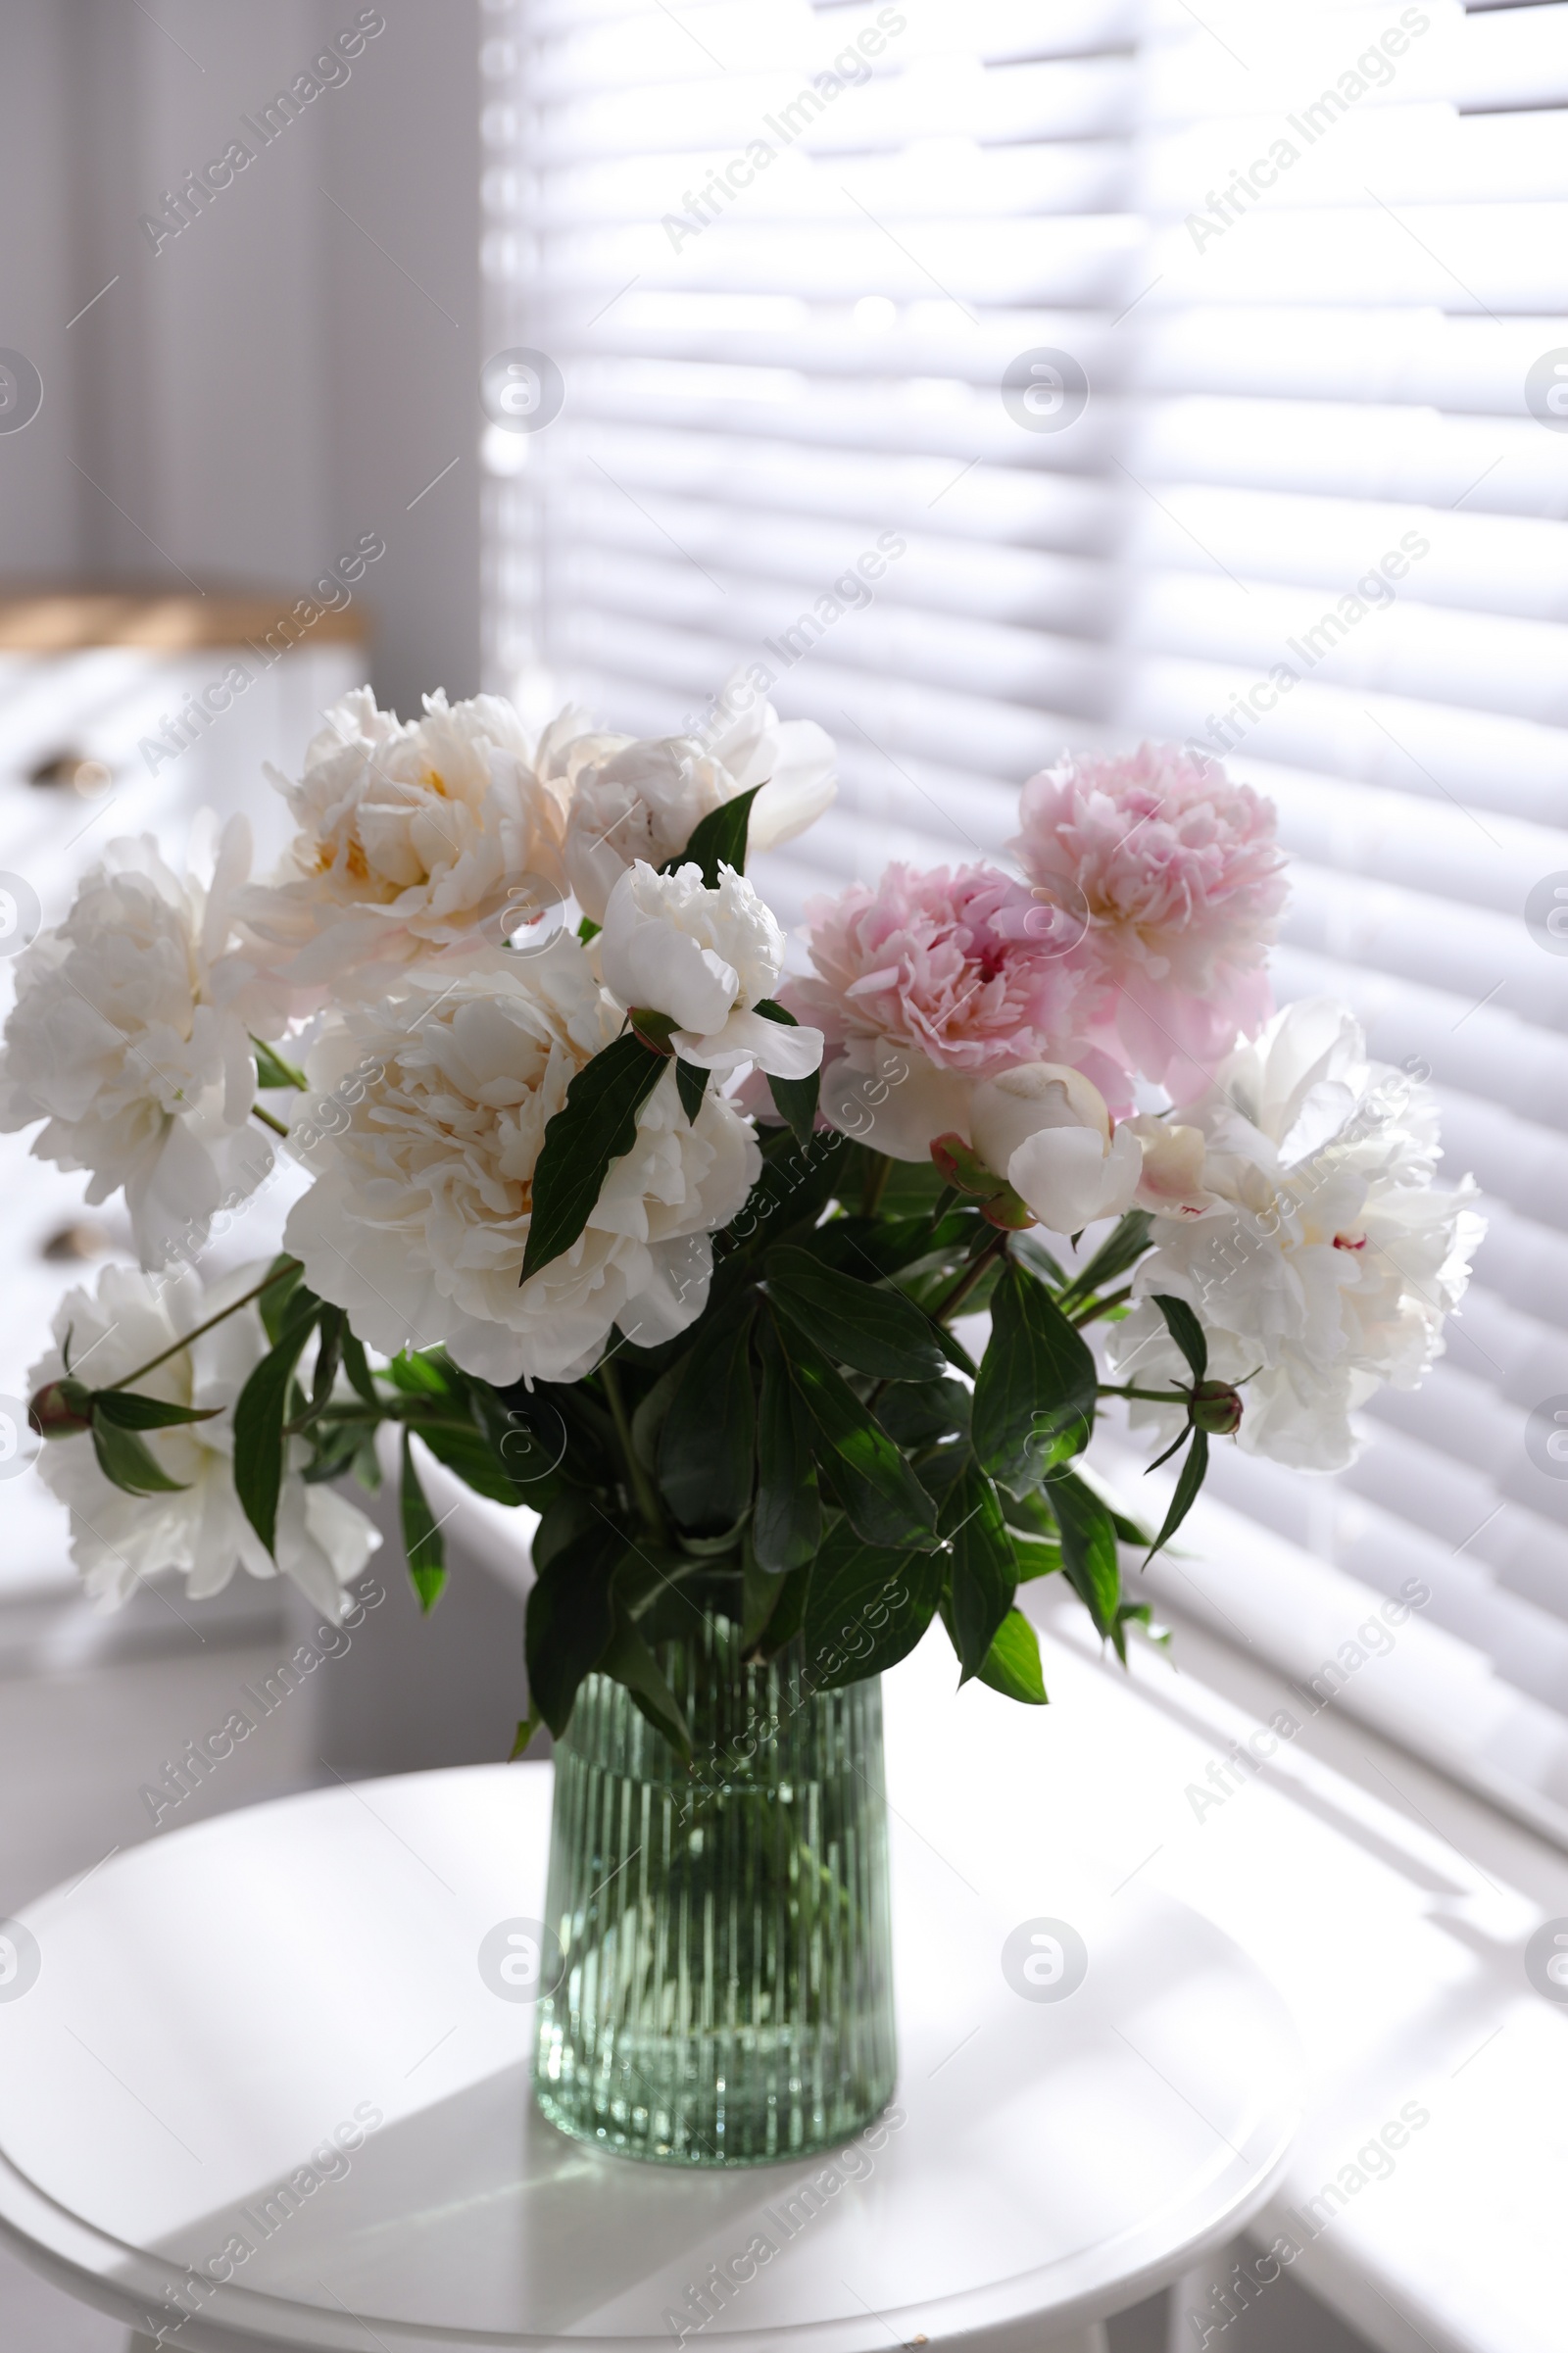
(1018, 1103)
(1048, 1127)
(962, 1167)
(61, 1408)
(1216, 1408)
(964, 1171)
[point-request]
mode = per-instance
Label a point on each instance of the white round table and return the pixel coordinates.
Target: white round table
(259, 2093)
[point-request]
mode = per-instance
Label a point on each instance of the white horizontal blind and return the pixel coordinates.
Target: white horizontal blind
(1297, 363)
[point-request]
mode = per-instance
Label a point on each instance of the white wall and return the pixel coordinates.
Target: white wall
(273, 382)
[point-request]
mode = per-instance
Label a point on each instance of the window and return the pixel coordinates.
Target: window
(1197, 376)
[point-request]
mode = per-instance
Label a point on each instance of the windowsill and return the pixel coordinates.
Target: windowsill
(1392, 1908)
(1432, 1694)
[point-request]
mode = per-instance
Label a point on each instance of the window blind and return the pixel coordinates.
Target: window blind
(1197, 376)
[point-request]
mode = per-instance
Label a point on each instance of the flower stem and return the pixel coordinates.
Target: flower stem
(1155, 1396)
(279, 1127)
(224, 1313)
(642, 1487)
(1112, 1298)
(878, 1169)
(954, 1298)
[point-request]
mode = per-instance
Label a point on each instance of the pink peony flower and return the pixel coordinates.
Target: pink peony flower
(1176, 870)
(964, 968)
(931, 981)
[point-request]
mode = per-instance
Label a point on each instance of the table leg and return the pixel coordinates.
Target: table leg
(1207, 2298)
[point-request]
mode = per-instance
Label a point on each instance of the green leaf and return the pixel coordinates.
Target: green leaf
(337, 1447)
(708, 1444)
(796, 1184)
(983, 1574)
(691, 1085)
(787, 1524)
(129, 1411)
(1031, 1251)
(760, 1590)
(882, 1495)
(527, 1729)
(569, 1621)
(464, 1450)
(125, 1460)
(273, 1071)
(329, 1355)
(1122, 1247)
(917, 1415)
(794, 1099)
(718, 840)
(928, 1287)
(567, 1519)
(787, 1614)
(627, 1660)
(588, 930)
(1011, 1665)
(357, 1366)
(954, 1352)
(428, 1375)
(422, 1543)
(1034, 1557)
(1193, 1473)
(259, 1417)
(881, 1246)
(1139, 1613)
(655, 1029)
(1129, 1531)
(1029, 1514)
(1063, 1450)
(877, 1331)
(1088, 1550)
(910, 1188)
(1176, 1444)
(1186, 1331)
(648, 1415)
(595, 1125)
(276, 1302)
(1037, 1382)
(528, 1438)
(867, 1608)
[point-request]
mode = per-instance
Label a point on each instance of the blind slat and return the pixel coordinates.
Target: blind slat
(1351, 359)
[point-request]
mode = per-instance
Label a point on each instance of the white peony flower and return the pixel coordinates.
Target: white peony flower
(634, 799)
(116, 1539)
(414, 838)
(418, 1220)
(130, 1037)
(704, 959)
(1045, 1128)
(1172, 1178)
(1325, 1261)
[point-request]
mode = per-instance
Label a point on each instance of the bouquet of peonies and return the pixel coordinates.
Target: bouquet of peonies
(617, 1223)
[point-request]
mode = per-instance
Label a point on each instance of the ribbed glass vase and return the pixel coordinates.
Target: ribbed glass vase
(727, 1995)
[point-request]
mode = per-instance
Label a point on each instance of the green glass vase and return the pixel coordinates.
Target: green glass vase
(727, 1990)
